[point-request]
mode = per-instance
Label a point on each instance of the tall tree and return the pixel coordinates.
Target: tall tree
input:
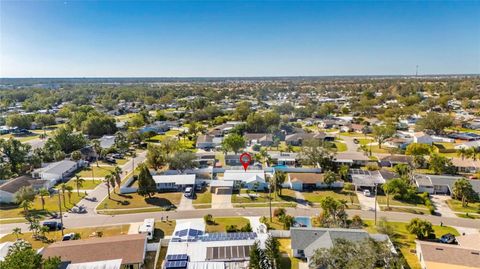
(108, 182)
(42, 193)
(21, 255)
(233, 142)
(146, 184)
(182, 160)
(280, 178)
(463, 190)
(272, 251)
(382, 132)
(16, 153)
(329, 178)
(421, 228)
(25, 196)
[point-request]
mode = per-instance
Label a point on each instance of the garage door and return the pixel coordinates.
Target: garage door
(221, 190)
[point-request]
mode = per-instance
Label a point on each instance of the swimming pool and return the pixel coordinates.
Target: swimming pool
(303, 222)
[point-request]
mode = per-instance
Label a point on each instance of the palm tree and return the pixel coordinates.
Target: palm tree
(463, 153)
(63, 187)
(98, 149)
(134, 155)
(26, 205)
(117, 172)
(107, 181)
(17, 231)
(343, 172)
(69, 190)
(279, 178)
(43, 192)
(79, 183)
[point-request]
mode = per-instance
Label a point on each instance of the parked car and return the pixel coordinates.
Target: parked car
(110, 160)
(367, 193)
(69, 236)
(356, 141)
(188, 192)
(53, 225)
(448, 239)
(79, 209)
(117, 156)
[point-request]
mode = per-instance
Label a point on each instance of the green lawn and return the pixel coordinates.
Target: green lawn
(262, 197)
(353, 134)
(98, 171)
(365, 141)
(318, 195)
(341, 147)
(382, 200)
(203, 197)
(88, 184)
(85, 233)
(134, 200)
(275, 224)
(414, 210)
(19, 138)
(51, 205)
(164, 228)
(287, 261)
(456, 206)
(406, 241)
(221, 224)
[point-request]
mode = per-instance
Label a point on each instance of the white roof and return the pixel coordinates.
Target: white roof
(189, 224)
(4, 247)
(108, 264)
(58, 168)
(107, 141)
(221, 183)
(244, 176)
(206, 265)
(177, 179)
(197, 251)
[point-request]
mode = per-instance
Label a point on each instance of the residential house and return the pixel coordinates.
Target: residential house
(440, 184)
(207, 142)
(309, 182)
(422, 138)
(174, 182)
(468, 145)
(223, 129)
(192, 247)
(351, 158)
(107, 141)
(466, 165)
(305, 241)
(160, 127)
(251, 179)
(262, 139)
(297, 139)
(129, 248)
(392, 160)
(9, 188)
(363, 179)
(433, 255)
(283, 158)
(57, 171)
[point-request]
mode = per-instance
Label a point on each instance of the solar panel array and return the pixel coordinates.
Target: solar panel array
(175, 264)
(228, 236)
(189, 232)
(228, 253)
(177, 257)
(359, 172)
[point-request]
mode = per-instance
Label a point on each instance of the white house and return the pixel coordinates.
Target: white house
(174, 182)
(422, 138)
(249, 179)
(56, 172)
(309, 181)
(470, 144)
(9, 188)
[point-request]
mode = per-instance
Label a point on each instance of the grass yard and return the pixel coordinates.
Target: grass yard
(203, 197)
(318, 195)
(382, 200)
(365, 141)
(163, 228)
(21, 138)
(134, 200)
(88, 184)
(341, 147)
(262, 197)
(85, 233)
(468, 216)
(98, 171)
(418, 211)
(222, 223)
(406, 241)
(51, 205)
(275, 224)
(353, 134)
(287, 261)
(456, 206)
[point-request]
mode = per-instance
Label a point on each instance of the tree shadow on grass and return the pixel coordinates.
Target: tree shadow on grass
(157, 201)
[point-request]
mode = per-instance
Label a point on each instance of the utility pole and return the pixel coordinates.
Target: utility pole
(60, 209)
(270, 199)
(376, 204)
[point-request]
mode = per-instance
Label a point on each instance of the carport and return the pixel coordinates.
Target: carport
(221, 186)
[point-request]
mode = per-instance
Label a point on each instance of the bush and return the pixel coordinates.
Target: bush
(208, 219)
(246, 228)
(231, 228)
(278, 212)
(357, 222)
(372, 167)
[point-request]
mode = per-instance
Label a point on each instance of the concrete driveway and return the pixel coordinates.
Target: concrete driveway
(440, 203)
(367, 203)
(222, 199)
(185, 204)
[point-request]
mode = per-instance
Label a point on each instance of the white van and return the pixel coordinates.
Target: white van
(147, 227)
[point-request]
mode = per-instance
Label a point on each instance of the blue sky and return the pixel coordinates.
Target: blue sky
(237, 38)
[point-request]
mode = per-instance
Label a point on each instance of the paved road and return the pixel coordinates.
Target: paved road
(101, 191)
(75, 221)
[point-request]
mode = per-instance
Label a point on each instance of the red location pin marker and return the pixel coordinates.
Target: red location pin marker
(245, 159)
